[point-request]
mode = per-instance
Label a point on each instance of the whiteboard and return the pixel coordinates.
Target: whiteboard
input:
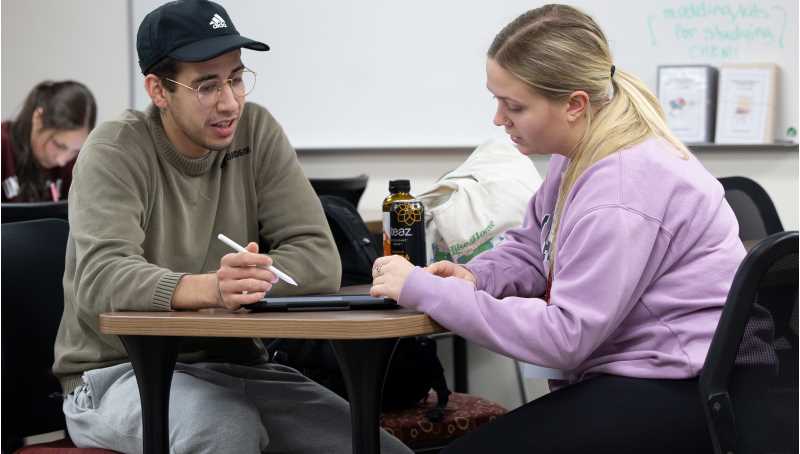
(392, 74)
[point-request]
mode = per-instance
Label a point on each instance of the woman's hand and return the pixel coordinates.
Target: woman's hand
(243, 278)
(449, 269)
(389, 274)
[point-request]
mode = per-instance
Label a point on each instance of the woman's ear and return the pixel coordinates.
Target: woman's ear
(36, 119)
(577, 104)
(156, 91)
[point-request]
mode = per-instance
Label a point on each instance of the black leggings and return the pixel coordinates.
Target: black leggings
(605, 414)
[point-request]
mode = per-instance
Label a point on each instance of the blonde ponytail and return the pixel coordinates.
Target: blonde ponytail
(557, 50)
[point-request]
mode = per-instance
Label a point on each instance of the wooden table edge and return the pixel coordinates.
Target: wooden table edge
(305, 325)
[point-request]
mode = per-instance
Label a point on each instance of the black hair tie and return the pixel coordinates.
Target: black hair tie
(613, 68)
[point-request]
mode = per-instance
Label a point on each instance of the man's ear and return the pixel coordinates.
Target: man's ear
(577, 104)
(156, 91)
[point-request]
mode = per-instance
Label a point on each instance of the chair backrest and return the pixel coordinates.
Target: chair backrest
(753, 207)
(349, 189)
(749, 380)
(17, 212)
(32, 303)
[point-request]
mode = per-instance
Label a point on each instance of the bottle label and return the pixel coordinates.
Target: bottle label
(407, 231)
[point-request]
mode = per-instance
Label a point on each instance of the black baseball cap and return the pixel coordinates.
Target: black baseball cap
(188, 30)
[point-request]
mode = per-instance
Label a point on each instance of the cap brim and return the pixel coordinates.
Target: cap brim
(214, 47)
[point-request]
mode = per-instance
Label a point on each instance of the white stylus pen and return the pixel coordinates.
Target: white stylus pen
(283, 276)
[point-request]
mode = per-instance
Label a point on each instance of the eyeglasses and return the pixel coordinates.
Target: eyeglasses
(208, 91)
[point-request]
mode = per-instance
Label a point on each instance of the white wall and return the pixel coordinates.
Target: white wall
(775, 170)
(85, 40)
(88, 40)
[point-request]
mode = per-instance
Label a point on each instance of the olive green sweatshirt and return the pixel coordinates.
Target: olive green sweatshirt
(142, 215)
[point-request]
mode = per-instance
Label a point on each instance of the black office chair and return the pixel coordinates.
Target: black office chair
(749, 380)
(753, 207)
(350, 188)
(17, 212)
(32, 302)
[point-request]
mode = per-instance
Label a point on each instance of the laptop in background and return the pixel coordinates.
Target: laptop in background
(18, 212)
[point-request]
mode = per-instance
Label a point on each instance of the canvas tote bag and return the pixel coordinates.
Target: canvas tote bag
(469, 209)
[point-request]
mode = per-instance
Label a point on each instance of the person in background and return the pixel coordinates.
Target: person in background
(39, 147)
(620, 271)
(198, 162)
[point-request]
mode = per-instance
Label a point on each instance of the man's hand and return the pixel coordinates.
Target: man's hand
(389, 275)
(449, 269)
(243, 278)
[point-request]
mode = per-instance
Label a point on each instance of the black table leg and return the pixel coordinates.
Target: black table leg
(364, 364)
(153, 359)
(461, 379)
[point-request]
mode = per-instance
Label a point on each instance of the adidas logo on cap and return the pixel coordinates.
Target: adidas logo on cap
(217, 22)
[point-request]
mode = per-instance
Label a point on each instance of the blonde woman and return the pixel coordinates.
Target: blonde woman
(620, 271)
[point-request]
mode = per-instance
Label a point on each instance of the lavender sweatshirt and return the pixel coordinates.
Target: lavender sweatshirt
(646, 253)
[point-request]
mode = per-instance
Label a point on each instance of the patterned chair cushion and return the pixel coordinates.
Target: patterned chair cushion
(462, 414)
(63, 446)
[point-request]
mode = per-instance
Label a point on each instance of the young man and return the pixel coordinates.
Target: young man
(151, 191)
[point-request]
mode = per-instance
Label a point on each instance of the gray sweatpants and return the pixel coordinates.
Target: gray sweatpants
(217, 408)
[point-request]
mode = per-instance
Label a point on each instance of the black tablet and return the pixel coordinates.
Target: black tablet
(321, 302)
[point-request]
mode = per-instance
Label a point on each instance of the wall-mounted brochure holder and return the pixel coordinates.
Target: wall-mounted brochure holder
(687, 94)
(746, 103)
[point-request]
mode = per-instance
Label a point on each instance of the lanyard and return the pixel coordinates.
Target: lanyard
(54, 187)
(549, 233)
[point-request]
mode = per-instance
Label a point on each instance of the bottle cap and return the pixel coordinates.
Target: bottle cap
(399, 186)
